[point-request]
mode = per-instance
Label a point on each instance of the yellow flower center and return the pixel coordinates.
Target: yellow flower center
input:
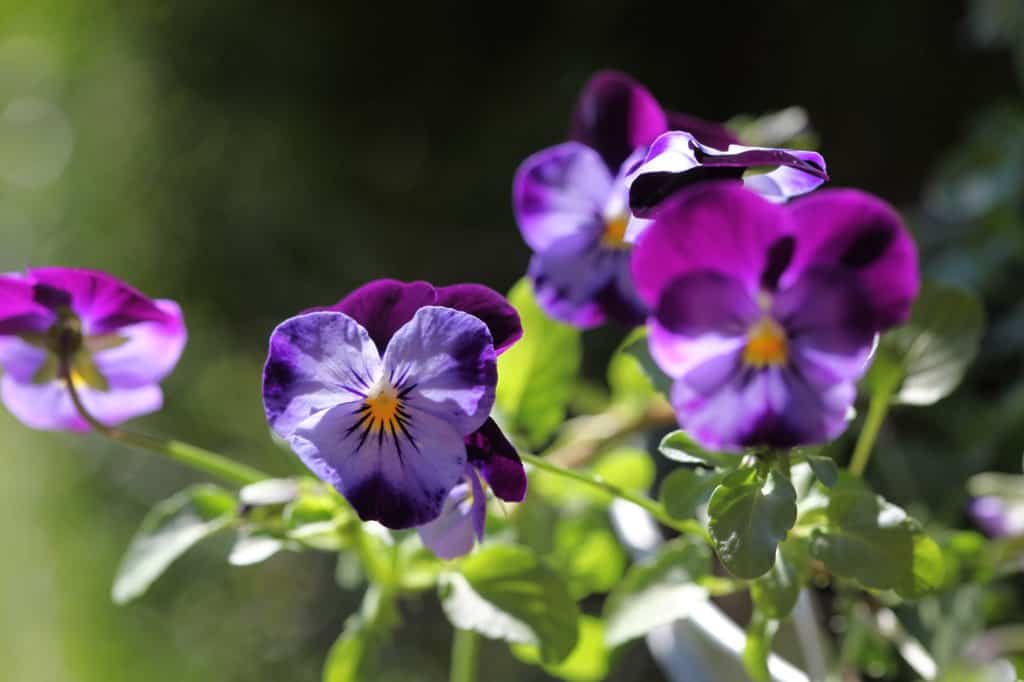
(766, 344)
(615, 232)
(383, 404)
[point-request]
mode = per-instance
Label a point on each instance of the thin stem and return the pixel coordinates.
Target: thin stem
(465, 647)
(878, 407)
(218, 466)
(653, 508)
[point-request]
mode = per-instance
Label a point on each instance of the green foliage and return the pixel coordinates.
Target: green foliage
(749, 514)
(537, 375)
(875, 543)
(635, 345)
(169, 530)
(685, 489)
(927, 357)
(657, 592)
(588, 662)
(824, 468)
(588, 553)
(775, 593)
(760, 633)
(680, 447)
(355, 655)
(506, 592)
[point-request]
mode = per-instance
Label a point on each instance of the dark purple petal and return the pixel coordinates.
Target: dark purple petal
(715, 227)
(700, 315)
(559, 193)
(49, 407)
(316, 361)
(104, 303)
(489, 306)
(148, 354)
(443, 362)
(384, 305)
(845, 228)
(707, 132)
(490, 451)
(614, 115)
(19, 311)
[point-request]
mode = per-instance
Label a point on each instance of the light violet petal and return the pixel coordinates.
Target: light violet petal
(49, 407)
(489, 306)
(150, 353)
(384, 306)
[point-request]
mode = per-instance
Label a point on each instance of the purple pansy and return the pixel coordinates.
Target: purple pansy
(765, 314)
(116, 343)
(997, 516)
(572, 201)
(387, 396)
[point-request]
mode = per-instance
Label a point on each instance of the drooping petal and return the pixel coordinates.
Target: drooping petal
(461, 523)
(444, 363)
(19, 311)
(398, 474)
(614, 115)
(104, 303)
(849, 229)
(148, 354)
(316, 361)
(560, 193)
(384, 305)
(715, 226)
(699, 316)
(49, 406)
(490, 451)
(489, 306)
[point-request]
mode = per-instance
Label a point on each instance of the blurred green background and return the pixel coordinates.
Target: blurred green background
(253, 159)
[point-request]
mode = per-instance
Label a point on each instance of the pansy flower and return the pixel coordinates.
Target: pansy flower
(113, 342)
(997, 516)
(572, 201)
(387, 396)
(764, 314)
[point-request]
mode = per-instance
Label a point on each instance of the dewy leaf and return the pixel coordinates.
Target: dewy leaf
(636, 346)
(685, 490)
(680, 447)
(758, 648)
(505, 592)
(932, 351)
(170, 529)
(657, 592)
(775, 593)
(588, 662)
(874, 543)
(748, 516)
(537, 375)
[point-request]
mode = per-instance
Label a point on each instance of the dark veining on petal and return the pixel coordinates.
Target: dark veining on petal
(780, 254)
(868, 247)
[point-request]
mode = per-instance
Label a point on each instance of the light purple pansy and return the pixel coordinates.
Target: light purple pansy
(678, 159)
(996, 516)
(387, 396)
(764, 314)
(116, 343)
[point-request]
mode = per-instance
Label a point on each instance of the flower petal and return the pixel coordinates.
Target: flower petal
(399, 477)
(715, 226)
(708, 132)
(489, 306)
(561, 192)
(384, 305)
(577, 283)
(490, 451)
(614, 115)
(19, 311)
(49, 407)
(461, 523)
(316, 361)
(21, 360)
(700, 315)
(856, 231)
(104, 303)
(444, 362)
(150, 353)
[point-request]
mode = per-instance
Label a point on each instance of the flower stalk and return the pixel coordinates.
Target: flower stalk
(878, 408)
(465, 649)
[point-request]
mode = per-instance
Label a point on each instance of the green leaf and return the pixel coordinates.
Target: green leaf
(748, 516)
(354, 656)
(636, 346)
(758, 648)
(775, 593)
(506, 592)
(685, 490)
(588, 662)
(928, 356)
(628, 468)
(169, 530)
(657, 592)
(254, 548)
(680, 447)
(589, 554)
(627, 379)
(875, 543)
(538, 374)
(824, 468)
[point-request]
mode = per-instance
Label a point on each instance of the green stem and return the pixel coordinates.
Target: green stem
(465, 647)
(218, 466)
(878, 407)
(654, 508)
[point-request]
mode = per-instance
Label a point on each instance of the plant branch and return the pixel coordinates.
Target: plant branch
(465, 647)
(878, 407)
